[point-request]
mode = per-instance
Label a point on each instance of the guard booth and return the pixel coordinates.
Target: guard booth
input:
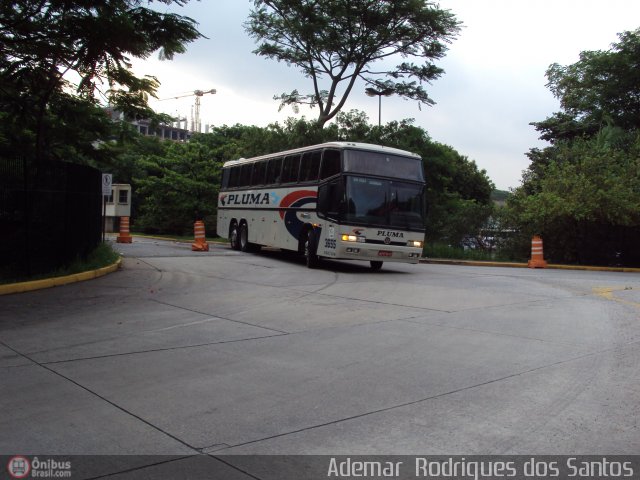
(118, 205)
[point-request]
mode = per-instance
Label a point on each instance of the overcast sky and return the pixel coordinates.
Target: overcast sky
(494, 84)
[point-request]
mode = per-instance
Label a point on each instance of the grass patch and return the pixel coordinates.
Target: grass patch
(442, 250)
(102, 256)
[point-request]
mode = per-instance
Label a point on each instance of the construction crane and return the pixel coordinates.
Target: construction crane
(195, 112)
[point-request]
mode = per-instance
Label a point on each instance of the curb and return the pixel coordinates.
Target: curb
(472, 263)
(29, 286)
(176, 240)
(166, 239)
(478, 263)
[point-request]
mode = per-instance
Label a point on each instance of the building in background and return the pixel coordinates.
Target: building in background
(118, 205)
(173, 132)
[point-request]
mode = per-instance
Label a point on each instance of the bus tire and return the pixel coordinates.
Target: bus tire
(244, 238)
(245, 244)
(234, 236)
(310, 248)
(375, 265)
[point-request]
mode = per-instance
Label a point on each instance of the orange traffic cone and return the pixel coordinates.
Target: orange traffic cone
(124, 236)
(537, 257)
(200, 244)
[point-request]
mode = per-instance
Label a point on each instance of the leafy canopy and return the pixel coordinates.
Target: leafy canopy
(336, 42)
(602, 88)
(583, 191)
(50, 49)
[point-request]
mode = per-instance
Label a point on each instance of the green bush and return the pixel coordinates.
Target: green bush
(443, 250)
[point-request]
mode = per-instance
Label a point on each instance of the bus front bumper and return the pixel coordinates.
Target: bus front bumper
(378, 252)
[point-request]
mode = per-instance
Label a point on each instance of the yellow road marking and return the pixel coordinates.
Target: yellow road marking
(608, 293)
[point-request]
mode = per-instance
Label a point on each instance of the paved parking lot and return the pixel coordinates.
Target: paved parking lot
(229, 353)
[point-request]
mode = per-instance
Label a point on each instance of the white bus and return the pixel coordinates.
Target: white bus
(338, 200)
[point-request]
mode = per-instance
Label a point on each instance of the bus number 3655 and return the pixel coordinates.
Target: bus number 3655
(330, 243)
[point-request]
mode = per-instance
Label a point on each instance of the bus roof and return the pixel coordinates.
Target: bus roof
(340, 145)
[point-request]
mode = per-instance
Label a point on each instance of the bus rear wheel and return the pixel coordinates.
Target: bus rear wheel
(234, 237)
(245, 244)
(244, 238)
(376, 265)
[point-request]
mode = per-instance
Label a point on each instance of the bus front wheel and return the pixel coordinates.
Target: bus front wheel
(376, 265)
(310, 248)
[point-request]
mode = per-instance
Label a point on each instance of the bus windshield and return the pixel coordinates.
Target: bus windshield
(384, 202)
(383, 164)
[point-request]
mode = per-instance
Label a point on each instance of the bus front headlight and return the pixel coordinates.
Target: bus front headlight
(415, 243)
(349, 237)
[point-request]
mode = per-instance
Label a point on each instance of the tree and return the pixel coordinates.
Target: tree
(582, 191)
(602, 88)
(176, 186)
(340, 41)
(46, 45)
(587, 200)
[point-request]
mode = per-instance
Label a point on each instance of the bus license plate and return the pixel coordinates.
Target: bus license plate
(384, 253)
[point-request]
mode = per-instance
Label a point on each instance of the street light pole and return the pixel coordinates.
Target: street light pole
(372, 92)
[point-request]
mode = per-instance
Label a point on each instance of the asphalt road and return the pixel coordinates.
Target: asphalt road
(228, 353)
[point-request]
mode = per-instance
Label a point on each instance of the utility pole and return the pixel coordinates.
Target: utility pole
(372, 92)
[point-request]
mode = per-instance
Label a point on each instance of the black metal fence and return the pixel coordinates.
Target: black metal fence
(50, 214)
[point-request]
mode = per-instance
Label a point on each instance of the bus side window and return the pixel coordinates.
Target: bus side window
(331, 199)
(234, 177)
(258, 173)
(273, 171)
(309, 165)
(290, 168)
(245, 175)
(330, 164)
(225, 177)
(323, 199)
